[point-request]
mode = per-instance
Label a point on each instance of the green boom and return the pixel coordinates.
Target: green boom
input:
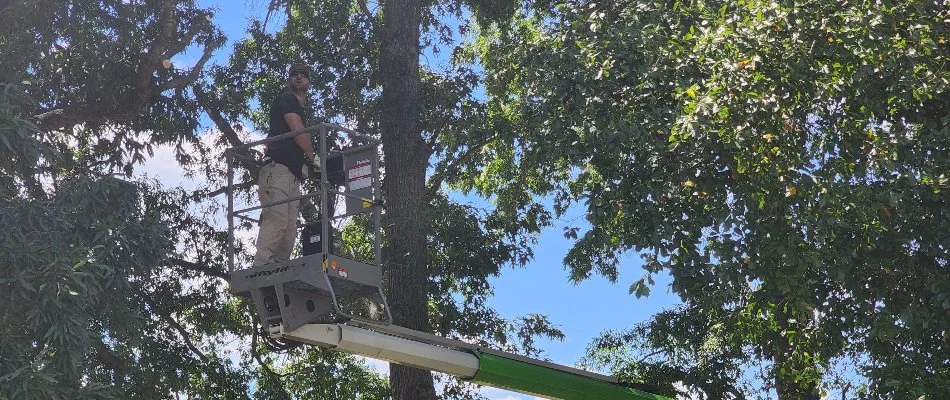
(523, 377)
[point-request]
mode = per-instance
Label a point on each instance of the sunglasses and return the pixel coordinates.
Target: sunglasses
(300, 73)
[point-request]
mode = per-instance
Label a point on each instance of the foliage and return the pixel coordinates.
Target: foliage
(323, 374)
(676, 347)
(785, 162)
(467, 246)
(113, 288)
(101, 72)
(90, 299)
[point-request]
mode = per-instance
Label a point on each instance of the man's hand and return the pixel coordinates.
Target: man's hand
(311, 167)
(313, 160)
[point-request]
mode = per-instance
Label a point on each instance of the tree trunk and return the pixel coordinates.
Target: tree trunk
(406, 157)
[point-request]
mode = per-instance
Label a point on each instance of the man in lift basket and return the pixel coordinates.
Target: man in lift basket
(284, 164)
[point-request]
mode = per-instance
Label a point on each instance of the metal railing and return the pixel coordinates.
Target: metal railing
(368, 143)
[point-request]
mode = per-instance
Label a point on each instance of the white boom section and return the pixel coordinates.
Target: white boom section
(402, 351)
(429, 338)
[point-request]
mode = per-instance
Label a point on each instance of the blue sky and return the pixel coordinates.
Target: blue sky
(581, 311)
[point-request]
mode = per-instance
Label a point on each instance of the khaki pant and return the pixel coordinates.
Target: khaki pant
(278, 227)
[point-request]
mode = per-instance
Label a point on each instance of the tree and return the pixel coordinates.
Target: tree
(785, 163)
(114, 288)
(139, 308)
(676, 348)
(462, 247)
(93, 300)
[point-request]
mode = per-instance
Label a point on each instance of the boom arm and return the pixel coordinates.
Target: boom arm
(481, 366)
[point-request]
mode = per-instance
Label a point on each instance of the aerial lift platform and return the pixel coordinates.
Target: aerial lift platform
(328, 300)
(299, 291)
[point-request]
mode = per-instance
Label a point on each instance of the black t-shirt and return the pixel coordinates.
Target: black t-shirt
(285, 151)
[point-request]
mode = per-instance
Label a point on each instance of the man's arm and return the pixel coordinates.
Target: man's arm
(303, 140)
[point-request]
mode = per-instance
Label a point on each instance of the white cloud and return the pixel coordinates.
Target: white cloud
(163, 167)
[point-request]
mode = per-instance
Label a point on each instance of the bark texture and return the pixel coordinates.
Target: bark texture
(407, 156)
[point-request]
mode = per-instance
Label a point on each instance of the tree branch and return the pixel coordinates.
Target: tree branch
(211, 108)
(164, 316)
(240, 186)
(210, 105)
(644, 358)
(179, 46)
(365, 8)
(192, 75)
(263, 365)
(195, 267)
(108, 358)
(435, 182)
(79, 113)
(144, 89)
(153, 57)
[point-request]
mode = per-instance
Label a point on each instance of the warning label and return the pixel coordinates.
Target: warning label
(360, 176)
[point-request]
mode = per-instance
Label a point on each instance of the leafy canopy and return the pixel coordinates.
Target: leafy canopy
(786, 162)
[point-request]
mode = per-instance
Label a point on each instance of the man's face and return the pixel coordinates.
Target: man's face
(299, 80)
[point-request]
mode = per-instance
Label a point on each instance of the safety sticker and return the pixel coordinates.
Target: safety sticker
(360, 176)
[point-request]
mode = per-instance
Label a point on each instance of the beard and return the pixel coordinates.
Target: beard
(299, 86)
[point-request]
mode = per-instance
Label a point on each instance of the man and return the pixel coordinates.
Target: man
(282, 172)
